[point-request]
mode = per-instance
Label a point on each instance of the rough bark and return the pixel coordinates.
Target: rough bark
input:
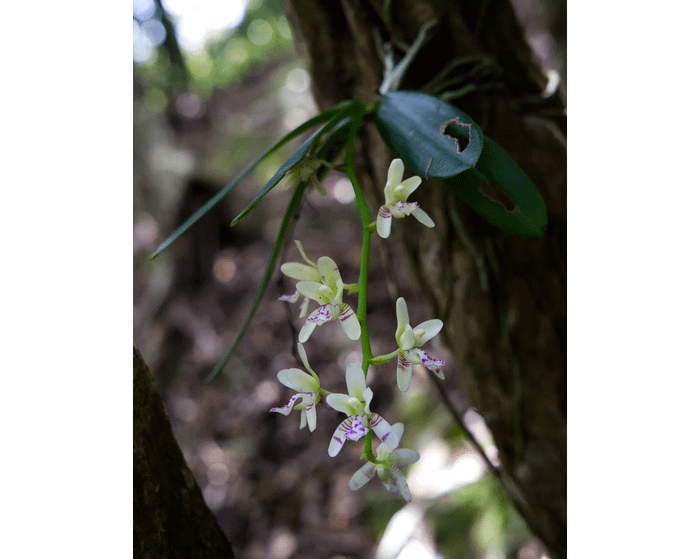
(171, 520)
(502, 297)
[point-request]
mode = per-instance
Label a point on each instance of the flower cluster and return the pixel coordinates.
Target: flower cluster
(321, 282)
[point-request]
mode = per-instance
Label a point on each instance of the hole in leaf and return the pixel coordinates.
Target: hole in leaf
(496, 195)
(461, 133)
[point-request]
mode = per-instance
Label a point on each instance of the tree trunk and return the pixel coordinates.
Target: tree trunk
(171, 520)
(502, 297)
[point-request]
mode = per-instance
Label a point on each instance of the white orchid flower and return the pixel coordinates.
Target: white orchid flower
(409, 340)
(328, 292)
(303, 272)
(309, 391)
(387, 467)
(396, 192)
(355, 404)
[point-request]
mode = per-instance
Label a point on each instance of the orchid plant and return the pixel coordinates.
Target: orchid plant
(423, 131)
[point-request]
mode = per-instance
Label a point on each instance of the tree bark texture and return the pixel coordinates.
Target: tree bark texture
(171, 520)
(502, 297)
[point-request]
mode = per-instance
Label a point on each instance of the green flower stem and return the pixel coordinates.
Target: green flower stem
(368, 448)
(366, 235)
(324, 392)
(361, 111)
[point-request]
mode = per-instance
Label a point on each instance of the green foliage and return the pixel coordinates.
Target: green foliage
(434, 139)
(529, 215)
(414, 125)
(329, 150)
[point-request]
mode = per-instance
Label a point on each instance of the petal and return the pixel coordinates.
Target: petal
(357, 430)
(402, 209)
(383, 451)
(384, 222)
(383, 430)
(389, 197)
(431, 363)
(310, 413)
(407, 187)
(304, 307)
(351, 427)
(306, 330)
(367, 396)
(355, 380)
(340, 402)
(302, 422)
(304, 358)
(398, 429)
(395, 174)
(397, 483)
(401, 317)
(349, 322)
(407, 339)
(338, 439)
(330, 275)
(426, 331)
(290, 298)
(298, 271)
(319, 316)
(296, 379)
(312, 290)
(303, 254)
(286, 410)
(423, 217)
(362, 476)
(404, 371)
(405, 456)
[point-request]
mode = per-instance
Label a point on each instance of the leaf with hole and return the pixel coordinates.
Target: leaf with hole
(529, 216)
(434, 139)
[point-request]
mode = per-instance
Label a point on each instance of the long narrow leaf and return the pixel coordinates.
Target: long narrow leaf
(318, 119)
(286, 221)
(330, 150)
(294, 159)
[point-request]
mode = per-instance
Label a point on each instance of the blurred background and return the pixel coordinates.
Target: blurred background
(215, 83)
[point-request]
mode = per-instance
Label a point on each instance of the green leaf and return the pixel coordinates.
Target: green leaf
(318, 119)
(330, 150)
(528, 218)
(434, 139)
(293, 160)
(271, 264)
